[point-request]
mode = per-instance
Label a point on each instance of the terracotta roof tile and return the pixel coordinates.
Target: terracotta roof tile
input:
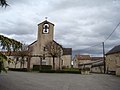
(83, 57)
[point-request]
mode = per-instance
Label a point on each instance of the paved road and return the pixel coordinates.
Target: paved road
(43, 81)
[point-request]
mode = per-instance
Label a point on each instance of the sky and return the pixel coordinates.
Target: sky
(79, 24)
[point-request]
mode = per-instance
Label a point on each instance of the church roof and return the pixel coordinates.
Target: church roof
(57, 43)
(116, 49)
(32, 43)
(53, 41)
(45, 22)
(67, 51)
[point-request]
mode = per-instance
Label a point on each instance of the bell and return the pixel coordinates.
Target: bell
(46, 30)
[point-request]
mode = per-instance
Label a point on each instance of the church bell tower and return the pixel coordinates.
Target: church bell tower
(45, 33)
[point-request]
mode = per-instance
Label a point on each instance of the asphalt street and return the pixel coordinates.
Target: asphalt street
(45, 81)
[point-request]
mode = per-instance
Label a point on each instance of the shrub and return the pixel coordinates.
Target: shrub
(47, 71)
(36, 67)
(46, 67)
(71, 69)
(18, 69)
(59, 71)
(63, 67)
(85, 69)
(43, 67)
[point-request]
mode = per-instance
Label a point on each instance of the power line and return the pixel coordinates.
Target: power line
(92, 46)
(112, 32)
(105, 39)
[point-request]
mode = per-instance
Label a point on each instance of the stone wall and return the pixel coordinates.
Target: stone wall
(113, 63)
(118, 71)
(67, 60)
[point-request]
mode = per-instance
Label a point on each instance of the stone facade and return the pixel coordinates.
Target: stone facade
(37, 48)
(36, 51)
(113, 63)
(80, 59)
(113, 60)
(97, 65)
(98, 69)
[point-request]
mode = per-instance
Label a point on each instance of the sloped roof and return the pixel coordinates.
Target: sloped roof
(45, 22)
(83, 57)
(67, 51)
(32, 43)
(53, 41)
(57, 44)
(99, 63)
(93, 63)
(96, 58)
(116, 49)
(15, 53)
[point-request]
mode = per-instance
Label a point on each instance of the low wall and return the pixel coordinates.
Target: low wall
(118, 71)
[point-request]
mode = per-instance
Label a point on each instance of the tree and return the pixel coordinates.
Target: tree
(9, 45)
(16, 61)
(54, 50)
(2, 59)
(3, 3)
(23, 54)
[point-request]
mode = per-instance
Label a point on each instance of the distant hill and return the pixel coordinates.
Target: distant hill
(88, 52)
(74, 52)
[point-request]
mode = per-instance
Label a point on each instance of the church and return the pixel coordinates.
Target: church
(37, 48)
(37, 53)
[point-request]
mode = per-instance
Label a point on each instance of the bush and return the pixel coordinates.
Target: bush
(85, 69)
(64, 67)
(59, 71)
(43, 67)
(18, 69)
(47, 71)
(71, 69)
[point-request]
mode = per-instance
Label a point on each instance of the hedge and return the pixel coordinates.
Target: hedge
(59, 71)
(43, 67)
(85, 69)
(18, 69)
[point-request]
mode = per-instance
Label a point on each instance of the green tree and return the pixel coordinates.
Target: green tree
(9, 45)
(2, 59)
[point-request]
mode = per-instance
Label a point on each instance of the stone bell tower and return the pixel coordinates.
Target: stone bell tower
(45, 34)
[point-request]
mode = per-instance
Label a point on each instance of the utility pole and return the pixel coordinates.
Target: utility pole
(104, 57)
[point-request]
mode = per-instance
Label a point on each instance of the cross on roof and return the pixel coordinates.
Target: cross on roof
(46, 18)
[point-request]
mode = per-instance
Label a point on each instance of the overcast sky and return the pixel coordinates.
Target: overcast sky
(79, 24)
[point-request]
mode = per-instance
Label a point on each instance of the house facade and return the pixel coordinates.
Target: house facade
(80, 59)
(113, 60)
(97, 65)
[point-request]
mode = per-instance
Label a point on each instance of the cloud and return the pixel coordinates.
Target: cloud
(78, 24)
(19, 28)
